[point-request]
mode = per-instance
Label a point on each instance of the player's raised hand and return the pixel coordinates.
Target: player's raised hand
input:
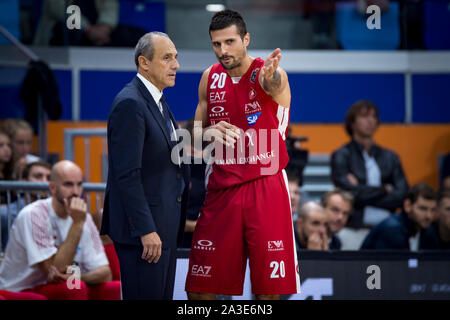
(271, 64)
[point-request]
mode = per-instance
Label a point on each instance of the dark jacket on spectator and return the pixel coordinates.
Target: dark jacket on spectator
(433, 231)
(394, 232)
(349, 159)
(335, 243)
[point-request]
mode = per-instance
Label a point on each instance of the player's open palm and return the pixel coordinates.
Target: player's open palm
(271, 64)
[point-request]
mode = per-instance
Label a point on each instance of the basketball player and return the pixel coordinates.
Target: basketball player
(244, 105)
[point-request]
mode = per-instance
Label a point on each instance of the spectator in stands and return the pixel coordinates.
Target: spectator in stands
(98, 22)
(294, 192)
(407, 230)
(197, 190)
(5, 157)
(34, 172)
(441, 228)
(445, 172)
(21, 135)
(51, 234)
(6, 165)
(338, 207)
(373, 174)
(311, 227)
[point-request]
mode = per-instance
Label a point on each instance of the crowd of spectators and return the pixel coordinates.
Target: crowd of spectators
(371, 207)
(51, 243)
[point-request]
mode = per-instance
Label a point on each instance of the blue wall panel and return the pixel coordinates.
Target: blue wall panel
(64, 80)
(99, 88)
(431, 98)
(326, 97)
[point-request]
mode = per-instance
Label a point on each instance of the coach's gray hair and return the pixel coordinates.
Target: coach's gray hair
(145, 46)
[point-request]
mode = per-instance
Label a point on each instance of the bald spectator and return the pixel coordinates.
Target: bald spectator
(311, 227)
(338, 207)
(53, 234)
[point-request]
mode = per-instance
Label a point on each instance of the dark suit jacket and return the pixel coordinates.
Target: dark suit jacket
(394, 233)
(143, 192)
(349, 159)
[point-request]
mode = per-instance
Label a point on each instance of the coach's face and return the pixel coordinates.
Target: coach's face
(162, 69)
(229, 47)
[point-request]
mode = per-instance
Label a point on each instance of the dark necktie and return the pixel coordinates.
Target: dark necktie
(166, 115)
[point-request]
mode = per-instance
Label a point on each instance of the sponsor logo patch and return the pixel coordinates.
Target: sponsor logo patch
(251, 119)
(275, 245)
(201, 271)
(253, 76)
(205, 245)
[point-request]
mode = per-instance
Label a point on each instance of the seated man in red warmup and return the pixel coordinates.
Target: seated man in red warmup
(55, 249)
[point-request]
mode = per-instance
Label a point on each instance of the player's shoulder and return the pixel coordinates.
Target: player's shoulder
(38, 211)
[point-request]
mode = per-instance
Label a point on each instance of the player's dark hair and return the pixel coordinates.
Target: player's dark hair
(224, 19)
(359, 107)
(421, 190)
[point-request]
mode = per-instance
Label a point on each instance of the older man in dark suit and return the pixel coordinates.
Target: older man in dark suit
(144, 210)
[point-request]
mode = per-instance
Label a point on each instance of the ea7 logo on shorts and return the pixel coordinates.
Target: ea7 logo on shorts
(201, 271)
(205, 245)
(275, 245)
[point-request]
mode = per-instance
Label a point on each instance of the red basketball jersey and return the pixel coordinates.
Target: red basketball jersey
(261, 149)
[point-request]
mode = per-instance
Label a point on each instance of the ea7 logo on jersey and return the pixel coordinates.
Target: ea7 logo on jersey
(252, 107)
(217, 97)
(275, 245)
(201, 271)
(252, 118)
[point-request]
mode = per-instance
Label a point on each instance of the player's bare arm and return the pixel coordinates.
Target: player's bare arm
(63, 258)
(222, 132)
(274, 81)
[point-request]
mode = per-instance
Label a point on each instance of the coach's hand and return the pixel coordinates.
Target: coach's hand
(223, 132)
(152, 247)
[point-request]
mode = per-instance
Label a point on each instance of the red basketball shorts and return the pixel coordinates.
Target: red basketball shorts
(253, 221)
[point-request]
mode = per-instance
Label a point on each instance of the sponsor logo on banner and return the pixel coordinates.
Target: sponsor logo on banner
(251, 119)
(275, 245)
(253, 77)
(217, 97)
(201, 271)
(205, 245)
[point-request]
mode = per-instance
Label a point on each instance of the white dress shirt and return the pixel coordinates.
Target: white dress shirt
(373, 215)
(156, 94)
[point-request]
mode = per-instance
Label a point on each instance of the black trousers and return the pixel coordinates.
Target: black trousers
(142, 280)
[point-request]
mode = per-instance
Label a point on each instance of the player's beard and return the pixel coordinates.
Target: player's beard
(235, 63)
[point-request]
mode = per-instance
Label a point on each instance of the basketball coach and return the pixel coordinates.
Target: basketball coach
(146, 194)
